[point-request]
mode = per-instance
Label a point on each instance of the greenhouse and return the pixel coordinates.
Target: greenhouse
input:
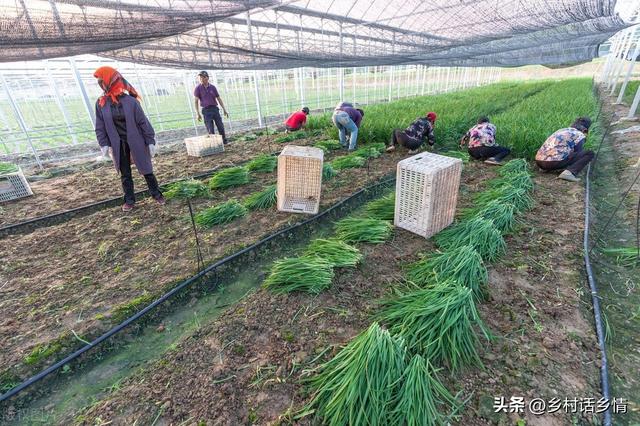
(276, 212)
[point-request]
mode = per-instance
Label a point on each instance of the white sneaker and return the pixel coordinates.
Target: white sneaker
(391, 148)
(567, 175)
(413, 151)
(493, 161)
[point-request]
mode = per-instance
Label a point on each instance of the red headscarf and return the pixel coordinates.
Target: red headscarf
(431, 116)
(113, 84)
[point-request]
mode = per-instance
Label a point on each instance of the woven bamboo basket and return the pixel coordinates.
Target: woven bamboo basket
(13, 186)
(426, 193)
(299, 179)
(201, 146)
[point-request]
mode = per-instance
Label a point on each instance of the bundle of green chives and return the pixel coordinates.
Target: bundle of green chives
(354, 230)
(186, 189)
(437, 322)
(514, 166)
(336, 252)
(368, 152)
(328, 172)
(517, 179)
(382, 208)
(233, 176)
(264, 163)
(359, 385)
(348, 162)
(625, 256)
(520, 198)
(328, 145)
(308, 274)
(421, 396)
(502, 214)
(464, 156)
(479, 233)
(463, 265)
(262, 199)
(220, 214)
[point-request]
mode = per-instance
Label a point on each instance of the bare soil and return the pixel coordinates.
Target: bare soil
(91, 183)
(244, 368)
(73, 277)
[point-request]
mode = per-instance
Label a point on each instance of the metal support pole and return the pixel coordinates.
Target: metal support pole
(59, 101)
(353, 83)
(618, 48)
(83, 92)
(301, 73)
(634, 105)
(636, 50)
(424, 77)
(612, 51)
(390, 82)
(190, 101)
(618, 69)
(257, 93)
(340, 72)
(20, 119)
(446, 86)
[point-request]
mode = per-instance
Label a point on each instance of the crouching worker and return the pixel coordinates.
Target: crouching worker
(563, 150)
(297, 120)
(347, 119)
(414, 136)
(481, 140)
(123, 129)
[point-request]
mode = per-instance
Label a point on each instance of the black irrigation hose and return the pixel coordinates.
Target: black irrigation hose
(61, 217)
(604, 368)
(34, 379)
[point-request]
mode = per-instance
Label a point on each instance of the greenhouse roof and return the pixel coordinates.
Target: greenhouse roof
(268, 34)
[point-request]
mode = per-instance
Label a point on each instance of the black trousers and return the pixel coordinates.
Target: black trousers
(293, 129)
(574, 163)
(399, 137)
(484, 152)
(127, 179)
(211, 115)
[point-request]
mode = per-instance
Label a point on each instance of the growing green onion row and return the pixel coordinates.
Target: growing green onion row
(348, 162)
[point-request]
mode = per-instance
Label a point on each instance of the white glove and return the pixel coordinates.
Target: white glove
(104, 156)
(153, 149)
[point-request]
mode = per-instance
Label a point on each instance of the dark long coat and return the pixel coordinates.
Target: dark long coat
(140, 134)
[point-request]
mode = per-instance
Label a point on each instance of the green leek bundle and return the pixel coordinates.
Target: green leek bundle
(308, 274)
(479, 233)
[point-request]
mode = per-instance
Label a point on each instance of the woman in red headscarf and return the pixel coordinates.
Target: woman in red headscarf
(414, 136)
(123, 129)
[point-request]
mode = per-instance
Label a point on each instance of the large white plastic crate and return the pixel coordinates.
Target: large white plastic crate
(426, 193)
(14, 185)
(200, 146)
(299, 179)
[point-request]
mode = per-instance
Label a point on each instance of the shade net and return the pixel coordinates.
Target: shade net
(318, 33)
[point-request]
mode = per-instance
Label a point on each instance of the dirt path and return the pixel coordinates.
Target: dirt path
(244, 368)
(93, 183)
(89, 273)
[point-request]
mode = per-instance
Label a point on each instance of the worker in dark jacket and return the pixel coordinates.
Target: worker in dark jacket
(347, 119)
(124, 131)
(297, 120)
(563, 150)
(415, 135)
